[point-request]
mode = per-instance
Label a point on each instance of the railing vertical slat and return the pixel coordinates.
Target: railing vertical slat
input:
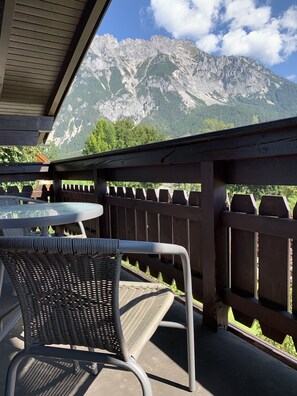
(152, 218)
(274, 264)
(243, 256)
(27, 191)
(130, 217)
(113, 210)
(141, 233)
(180, 228)
(100, 189)
(165, 221)
(152, 226)
(195, 238)
(166, 227)
(122, 223)
(13, 190)
(195, 235)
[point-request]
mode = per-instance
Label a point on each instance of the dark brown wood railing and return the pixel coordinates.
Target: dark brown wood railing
(241, 258)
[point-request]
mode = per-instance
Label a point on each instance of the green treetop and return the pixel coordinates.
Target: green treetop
(103, 138)
(122, 133)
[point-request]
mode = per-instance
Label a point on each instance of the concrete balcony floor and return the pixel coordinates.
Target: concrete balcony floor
(226, 366)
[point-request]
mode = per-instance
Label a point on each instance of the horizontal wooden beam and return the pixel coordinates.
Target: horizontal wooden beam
(156, 174)
(274, 171)
(163, 208)
(280, 320)
(268, 225)
(24, 123)
(18, 138)
(23, 167)
(24, 172)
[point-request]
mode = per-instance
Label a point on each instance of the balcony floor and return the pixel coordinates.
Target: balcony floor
(225, 364)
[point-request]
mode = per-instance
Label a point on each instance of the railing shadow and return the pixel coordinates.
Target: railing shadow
(225, 364)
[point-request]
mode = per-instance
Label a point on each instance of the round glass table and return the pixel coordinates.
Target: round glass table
(47, 214)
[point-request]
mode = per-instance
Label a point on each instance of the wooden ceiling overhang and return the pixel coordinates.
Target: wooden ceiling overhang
(42, 43)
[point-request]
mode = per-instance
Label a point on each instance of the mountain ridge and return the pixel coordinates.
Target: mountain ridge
(171, 84)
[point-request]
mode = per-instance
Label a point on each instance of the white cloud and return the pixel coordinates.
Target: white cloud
(244, 13)
(289, 45)
(185, 18)
(254, 44)
(237, 27)
(289, 19)
(208, 43)
(292, 77)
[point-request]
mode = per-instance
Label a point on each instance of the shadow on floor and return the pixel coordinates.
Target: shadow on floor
(225, 366)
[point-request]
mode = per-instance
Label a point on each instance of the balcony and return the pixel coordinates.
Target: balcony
(225, 364)
(242, 257)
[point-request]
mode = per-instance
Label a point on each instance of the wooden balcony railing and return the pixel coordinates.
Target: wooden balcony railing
(241, 257)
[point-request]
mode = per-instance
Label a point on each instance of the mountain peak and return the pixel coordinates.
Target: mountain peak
(171, 84)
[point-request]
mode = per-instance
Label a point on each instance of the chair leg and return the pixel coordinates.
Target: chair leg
(190, 344)
(75, 362)
(1, 276)
(12, 371)
(94, 366)
(82, 229)
(1, 284)
(191, 358)
(76, 366)
(133, 366)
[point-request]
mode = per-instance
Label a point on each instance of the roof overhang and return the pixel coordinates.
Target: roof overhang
(42, 44)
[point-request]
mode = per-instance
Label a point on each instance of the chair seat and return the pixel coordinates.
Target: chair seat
(142, 307)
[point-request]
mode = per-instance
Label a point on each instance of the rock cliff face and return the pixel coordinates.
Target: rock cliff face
(171, 84)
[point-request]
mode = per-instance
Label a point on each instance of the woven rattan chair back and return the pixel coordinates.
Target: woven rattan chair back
(68, 298)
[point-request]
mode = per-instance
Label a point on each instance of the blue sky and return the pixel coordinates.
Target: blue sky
(265, 30)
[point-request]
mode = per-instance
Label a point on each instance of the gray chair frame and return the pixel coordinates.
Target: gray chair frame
(82, 257)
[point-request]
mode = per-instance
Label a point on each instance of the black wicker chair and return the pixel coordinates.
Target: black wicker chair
(70, 293)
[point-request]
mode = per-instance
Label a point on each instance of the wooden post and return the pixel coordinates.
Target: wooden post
(214, 243)
(100, 192)
(57, 187)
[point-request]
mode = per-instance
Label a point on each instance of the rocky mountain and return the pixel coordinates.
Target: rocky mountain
(170, 84)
